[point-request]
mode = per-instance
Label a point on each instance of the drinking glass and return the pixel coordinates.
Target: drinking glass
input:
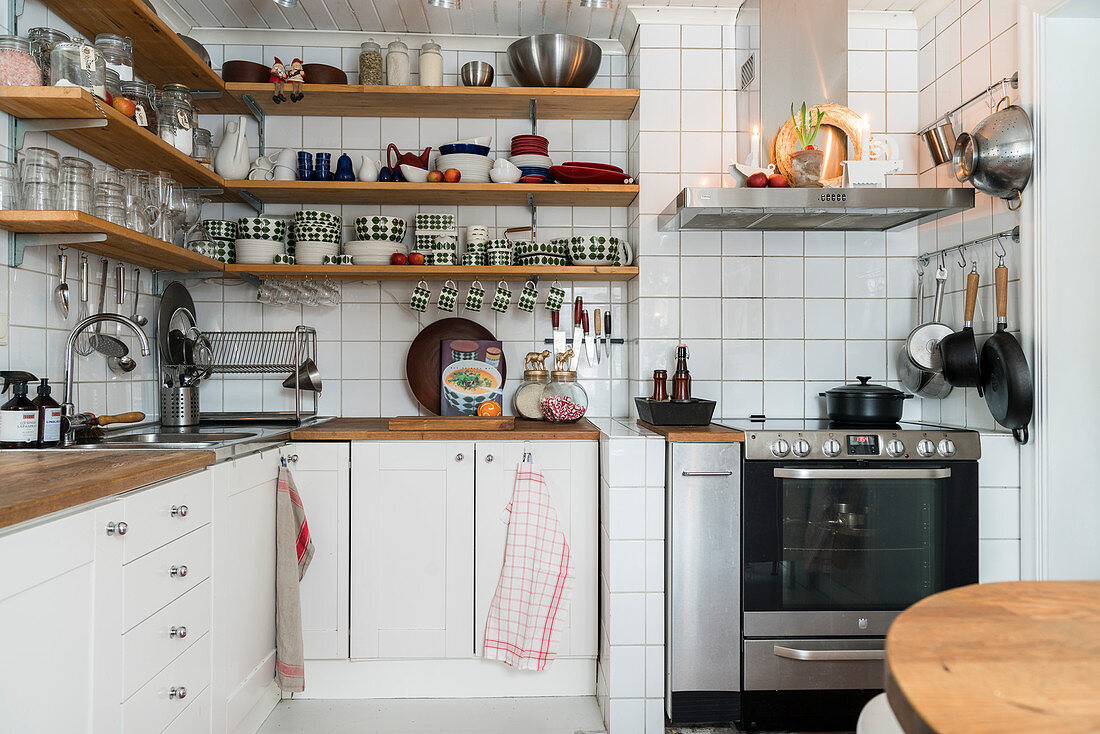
(106, 174)
(168, 199)
(43, 157)
(192, 213)
(141, 213)
(9, 186)
(39, 177)
(75, 187)
(110, 203)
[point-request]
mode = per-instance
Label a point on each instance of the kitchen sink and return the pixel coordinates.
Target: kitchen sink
(176, 438)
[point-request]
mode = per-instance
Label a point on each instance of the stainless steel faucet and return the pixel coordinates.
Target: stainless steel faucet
(68, 410)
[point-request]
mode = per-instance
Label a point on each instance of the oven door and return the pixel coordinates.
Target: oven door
(839, 549)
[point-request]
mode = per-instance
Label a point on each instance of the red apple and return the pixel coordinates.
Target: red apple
(125, 106)
(758, 180)
(778, 181)
(435, 176)
(452, 175)
(397, 258)
(415, 258)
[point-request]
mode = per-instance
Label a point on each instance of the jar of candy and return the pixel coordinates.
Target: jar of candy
(78, 63)
(370, 63)
(397, 64)
(42, 43)
(118, 53)
(176, 117)
(563, 399)
(527, 400)
(17, 65)
(145, 111)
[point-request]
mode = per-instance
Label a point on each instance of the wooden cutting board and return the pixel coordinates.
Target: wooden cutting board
(453, 423)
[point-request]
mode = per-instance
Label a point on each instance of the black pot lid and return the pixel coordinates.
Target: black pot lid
(865, 390)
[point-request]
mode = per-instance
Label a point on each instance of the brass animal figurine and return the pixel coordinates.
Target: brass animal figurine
(537, 360)
(565, 359)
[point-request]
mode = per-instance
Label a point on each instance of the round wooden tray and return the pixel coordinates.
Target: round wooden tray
(423, 364)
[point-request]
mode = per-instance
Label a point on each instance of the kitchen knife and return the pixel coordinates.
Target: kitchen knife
(589, 340)
(578, 332)
(607, 331)
(559, 335)
(598, 327)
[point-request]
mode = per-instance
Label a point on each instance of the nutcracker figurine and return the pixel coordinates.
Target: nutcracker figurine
(278, 77)
(296, 76)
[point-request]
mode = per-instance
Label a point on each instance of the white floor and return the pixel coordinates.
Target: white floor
(436, 716)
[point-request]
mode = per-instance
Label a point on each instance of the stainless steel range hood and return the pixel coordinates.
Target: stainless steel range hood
(873, 210)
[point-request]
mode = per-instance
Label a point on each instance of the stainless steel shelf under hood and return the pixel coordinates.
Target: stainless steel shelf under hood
(766, 209)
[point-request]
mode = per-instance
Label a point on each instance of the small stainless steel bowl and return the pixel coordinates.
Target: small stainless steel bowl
(477, 74)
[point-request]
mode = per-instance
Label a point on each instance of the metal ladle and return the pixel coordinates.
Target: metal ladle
(134, 315)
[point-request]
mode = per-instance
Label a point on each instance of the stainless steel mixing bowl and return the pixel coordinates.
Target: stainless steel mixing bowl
(477, 74)
(554, 60)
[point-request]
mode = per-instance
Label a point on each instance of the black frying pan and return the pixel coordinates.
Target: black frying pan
(1009, 392)
(959, 351)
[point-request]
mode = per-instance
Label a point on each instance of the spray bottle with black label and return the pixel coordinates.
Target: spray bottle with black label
(49, 417)
(18, 416)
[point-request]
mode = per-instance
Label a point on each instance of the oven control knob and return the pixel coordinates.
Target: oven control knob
(926, 447)
(801, 448)
(946, 447)
(895, 447)
(831, 447)
(781, 447)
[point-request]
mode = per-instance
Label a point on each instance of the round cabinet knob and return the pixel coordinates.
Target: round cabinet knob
(926, 447)
(895, 447)
(781, 447)
(177, 692)
(946, 447)
(831, 447)
(459, 457)
(179, 632)
(488, 458)
(179, 511)
(801, 448)
(293, 458)
(117, 527)
(179, 571)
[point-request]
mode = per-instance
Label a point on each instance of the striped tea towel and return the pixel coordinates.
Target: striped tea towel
(533, 592)
(293, 552)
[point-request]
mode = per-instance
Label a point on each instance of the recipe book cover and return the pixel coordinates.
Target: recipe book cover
(473, 377)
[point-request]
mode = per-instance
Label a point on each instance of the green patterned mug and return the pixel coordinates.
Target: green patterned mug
(421, 295)
(555, 298)
(502, 298)
(528, 297)
(474, 297)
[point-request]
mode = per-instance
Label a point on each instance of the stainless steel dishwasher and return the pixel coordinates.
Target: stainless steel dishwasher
(703, 583)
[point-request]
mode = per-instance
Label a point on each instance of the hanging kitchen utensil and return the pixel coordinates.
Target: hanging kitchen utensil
(578, 332)
(423, 363)
(910, 375)
(108, 346)
(175, 297)
(308, 377)
(134, 315)
(61, 292)
(941, 141)
(997, 155)
(865, 404)
(922, 341)
(959, 351)
(1009, 391)
(83, 344)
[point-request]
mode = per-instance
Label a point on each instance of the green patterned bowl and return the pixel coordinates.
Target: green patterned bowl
(600, 250)
(380, 228)
(261, 228)
(316, 216)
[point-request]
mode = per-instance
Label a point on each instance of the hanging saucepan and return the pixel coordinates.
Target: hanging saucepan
(997, 155)
(864, 404)
(1009, 391)
(958, 351)
(920, 347)
(910, 375)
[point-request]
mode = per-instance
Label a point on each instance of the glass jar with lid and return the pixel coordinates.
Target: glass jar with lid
(370, 63)
(118, 53)
(527, 399)
(145, 111)
(397, 64)
(42, 43)
(563, 399)
(203, 148)
(176, 117)
(113, 84)
(431, 65)
(78, 63)
(17, 66)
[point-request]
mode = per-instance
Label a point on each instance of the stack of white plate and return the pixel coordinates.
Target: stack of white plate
(531, 161)
(373, 252)
(258, 252)
(313, 253)
(474, 168)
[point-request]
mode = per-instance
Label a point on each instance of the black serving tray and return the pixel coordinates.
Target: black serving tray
(695, 412)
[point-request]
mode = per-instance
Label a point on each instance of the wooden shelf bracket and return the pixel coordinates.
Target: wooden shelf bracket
(22, 127)
(20, 243)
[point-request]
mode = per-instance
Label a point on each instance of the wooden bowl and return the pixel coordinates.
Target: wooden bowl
(324, 74)
(245, 71)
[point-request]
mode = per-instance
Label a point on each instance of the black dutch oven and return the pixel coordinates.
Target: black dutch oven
(864, 404)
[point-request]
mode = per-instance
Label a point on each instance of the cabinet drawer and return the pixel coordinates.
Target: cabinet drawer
(154, 706)
(151, 645)
(195, 719)
(161, 514)
(804, 665)
(149, 583)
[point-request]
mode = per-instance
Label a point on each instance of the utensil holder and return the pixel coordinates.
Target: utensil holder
(179, 406)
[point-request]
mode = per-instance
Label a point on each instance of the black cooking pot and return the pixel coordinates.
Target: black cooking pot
(863, 404)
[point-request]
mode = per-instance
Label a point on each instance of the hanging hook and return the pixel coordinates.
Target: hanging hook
(921, 262)
(943, 259)
(962, 256)
(1000, 251)
(526, 452)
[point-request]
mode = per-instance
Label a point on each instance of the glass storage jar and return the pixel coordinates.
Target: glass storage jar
(370, 63)
(203, 148)
(527, 399)
(118, 53)
(42, 43)
(176, 117)
(397, 64)
(113, 84)
(145, 111)
(564, 400)
(78, 63)
(17, 65)
(431, 65)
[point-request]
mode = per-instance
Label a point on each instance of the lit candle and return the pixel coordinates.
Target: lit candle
(865, 148)
(756, 159)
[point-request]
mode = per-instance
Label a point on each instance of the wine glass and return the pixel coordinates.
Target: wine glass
(192, 213)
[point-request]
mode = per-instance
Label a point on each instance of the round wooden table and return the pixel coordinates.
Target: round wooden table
(1009, 657)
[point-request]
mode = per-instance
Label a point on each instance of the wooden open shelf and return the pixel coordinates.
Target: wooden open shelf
(357, 100)
(121, 243)
(443, 194)
(160, 56)
(122, 143)
(433, 272)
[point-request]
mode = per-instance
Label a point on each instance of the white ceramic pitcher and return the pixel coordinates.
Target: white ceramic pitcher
(231, 161)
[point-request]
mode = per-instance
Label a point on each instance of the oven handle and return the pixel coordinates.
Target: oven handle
(939, 473)
(795, 653)
(706, 473)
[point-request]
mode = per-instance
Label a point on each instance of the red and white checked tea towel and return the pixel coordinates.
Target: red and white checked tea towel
(532, 595)
(293, 552)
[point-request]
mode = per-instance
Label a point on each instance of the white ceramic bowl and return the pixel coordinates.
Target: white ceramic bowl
(371, 259)
(487, 141)
(500, 176)
(414, 174)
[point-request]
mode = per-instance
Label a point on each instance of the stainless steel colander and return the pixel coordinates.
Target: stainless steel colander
(997, 155)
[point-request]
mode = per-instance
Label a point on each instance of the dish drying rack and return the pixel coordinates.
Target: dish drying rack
(267, 353)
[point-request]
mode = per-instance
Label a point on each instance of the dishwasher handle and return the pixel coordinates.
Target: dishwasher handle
(794, 653)
(706, 473)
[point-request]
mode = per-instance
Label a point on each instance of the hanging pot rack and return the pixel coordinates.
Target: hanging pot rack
(1009, 81)
(1014, 234)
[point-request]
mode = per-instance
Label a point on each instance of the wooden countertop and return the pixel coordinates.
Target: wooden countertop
(713, 433)
(377, 429)
(1021, 656)
(37, 483)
